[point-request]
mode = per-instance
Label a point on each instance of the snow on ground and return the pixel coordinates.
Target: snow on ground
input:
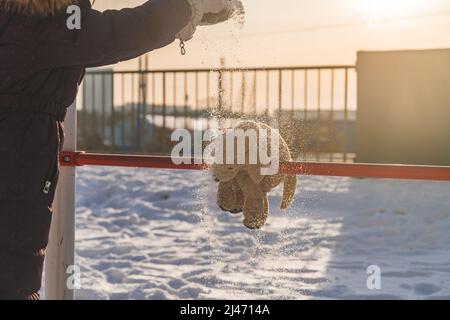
(148, 234)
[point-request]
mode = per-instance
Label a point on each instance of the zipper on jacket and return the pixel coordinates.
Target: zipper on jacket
(53, 170)
(48, 185)
(51, 174)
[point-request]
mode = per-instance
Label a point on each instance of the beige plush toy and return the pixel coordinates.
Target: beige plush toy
(242, 187)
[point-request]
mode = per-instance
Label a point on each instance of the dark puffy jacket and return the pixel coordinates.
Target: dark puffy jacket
(42, 63)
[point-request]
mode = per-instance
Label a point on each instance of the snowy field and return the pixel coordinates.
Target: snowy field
(146, 234)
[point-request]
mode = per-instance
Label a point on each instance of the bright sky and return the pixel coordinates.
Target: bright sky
(308, 32)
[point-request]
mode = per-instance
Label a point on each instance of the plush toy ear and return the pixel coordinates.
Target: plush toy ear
(255, 174)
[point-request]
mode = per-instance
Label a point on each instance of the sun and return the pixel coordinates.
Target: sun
(380, 9)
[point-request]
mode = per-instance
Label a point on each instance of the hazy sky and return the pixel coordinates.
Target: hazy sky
(308, 32)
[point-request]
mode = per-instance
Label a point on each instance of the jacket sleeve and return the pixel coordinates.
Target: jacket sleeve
(116, 35)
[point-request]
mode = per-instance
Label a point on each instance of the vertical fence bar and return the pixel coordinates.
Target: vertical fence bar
(319, 94)
(186, 100)
(113, 116)
(345, 114)
(133, 112)
(208, 106)
(60, 261)
(305, 112)
(123, 115)
(139, 107)
(231, 91)
(197, 101)
(267, 109)
(153, 97)
(280, 92)
(332, 113)
(164, 112)
(94, 128)
(293, 93)
(319, 107)
(208, 89)
(103, 107)
(84, 113)
(220, 89)
(255, 99)
(243, 93)
(139, 110)
(174, 91)
(152, 104)
(145, 102)
(306, 102)
(151, 108)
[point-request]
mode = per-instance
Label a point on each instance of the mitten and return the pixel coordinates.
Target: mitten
(207, 12)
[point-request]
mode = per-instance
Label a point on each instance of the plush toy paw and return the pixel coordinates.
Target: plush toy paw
(256, 212)
(230, 197)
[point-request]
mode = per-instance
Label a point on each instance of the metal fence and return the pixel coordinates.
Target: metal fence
(136, 111)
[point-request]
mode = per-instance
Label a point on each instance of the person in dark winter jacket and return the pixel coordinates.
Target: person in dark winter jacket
(42, 63)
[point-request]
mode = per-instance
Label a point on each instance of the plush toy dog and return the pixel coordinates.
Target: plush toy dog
(242, 187)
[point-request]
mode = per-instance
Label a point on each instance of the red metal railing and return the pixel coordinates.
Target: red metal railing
(378, 171)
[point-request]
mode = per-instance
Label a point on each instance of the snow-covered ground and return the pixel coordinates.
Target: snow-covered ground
(147, 234)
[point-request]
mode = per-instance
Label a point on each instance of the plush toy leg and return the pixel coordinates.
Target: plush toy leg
(230, 197)
(256, 207)
(239, 199)
(225, 196)
(290, 186)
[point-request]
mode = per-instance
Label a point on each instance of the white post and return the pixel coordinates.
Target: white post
(60, 251)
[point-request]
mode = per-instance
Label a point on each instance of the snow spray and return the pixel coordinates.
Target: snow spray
(255, 247)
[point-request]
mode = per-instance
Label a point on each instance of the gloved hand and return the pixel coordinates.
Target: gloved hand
(207, 12)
